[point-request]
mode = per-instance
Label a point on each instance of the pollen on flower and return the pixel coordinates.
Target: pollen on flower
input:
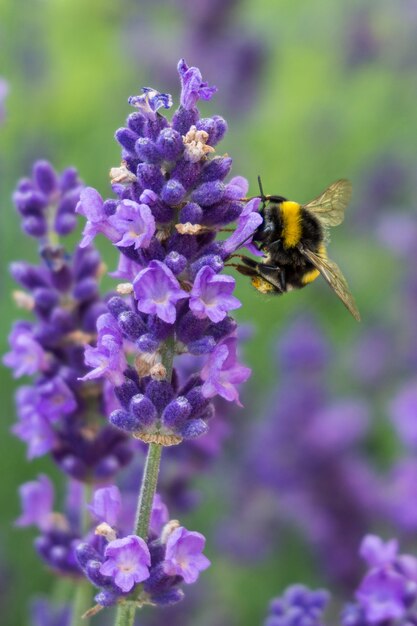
(125, 289)
(158, 372)
(23, 300)
(190, 229)
(106, 531)
(195, 145)
(121, 174)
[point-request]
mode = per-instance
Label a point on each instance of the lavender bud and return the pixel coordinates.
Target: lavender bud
(147, 151)
(92, 570)
(86, 289)
(173, 192)
(35, 226)
(176, 262)
(84, 552)
(150, 177)
(29, 202)
(170, 144)
(148, 343)
(126, 138)
(183, 119)
(124, 393)
(65, 223)
(45, 177)
(131, 324)
(106, 597)
(192, 213)
(160, 393)
(136, 122)
(194, 429)
(205, 345)
(216, 169)
(143, 410)
(107, 467)
(117, 305)
(124, 420)
(177, 412)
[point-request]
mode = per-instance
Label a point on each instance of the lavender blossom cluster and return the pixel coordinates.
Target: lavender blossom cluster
(386, 595)
(172, 201)
(58, 412)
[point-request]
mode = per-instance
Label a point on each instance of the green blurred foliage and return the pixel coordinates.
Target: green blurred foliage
(315, 120)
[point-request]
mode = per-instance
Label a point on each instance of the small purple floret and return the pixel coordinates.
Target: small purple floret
(135, 223)
(222, 372)
(193, 87)
(37, 497)
(211, 295)
(127, 562)
(184, 555)
(157, 291)
(106, 505)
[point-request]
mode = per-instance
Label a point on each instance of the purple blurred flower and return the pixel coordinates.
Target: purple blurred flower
(184, 556)
(91, 205)
(55, 399)
(32, 427)
(135, 222)
(211, 295)
(159, 515)
(403, 413)
(107, 358)
(222, 372)
(382, 596)
(37, 497)
(106, 505)
(43, 613)
(157, 291)
(127, 561)
(193, 88)
(378, 553)
(27, 356)
(298, 605)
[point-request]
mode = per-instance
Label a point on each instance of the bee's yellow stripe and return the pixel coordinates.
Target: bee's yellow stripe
(291, 217)
(310, 276)
(313, 274)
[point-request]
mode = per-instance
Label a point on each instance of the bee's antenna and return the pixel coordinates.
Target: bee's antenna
(263, 197)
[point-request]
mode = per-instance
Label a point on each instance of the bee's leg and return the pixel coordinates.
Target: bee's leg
(274, 275)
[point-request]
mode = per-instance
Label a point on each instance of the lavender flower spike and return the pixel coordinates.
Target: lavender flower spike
(193, 87)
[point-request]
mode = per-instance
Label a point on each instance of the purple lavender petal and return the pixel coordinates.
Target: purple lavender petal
(37, 499)
(157, 291)
(193, 88)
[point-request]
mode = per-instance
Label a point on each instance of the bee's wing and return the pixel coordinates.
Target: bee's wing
(329, 207)
(334, 277)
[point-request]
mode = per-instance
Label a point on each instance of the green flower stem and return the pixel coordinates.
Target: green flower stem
(125, 615)
(81, 603)
(147, 490)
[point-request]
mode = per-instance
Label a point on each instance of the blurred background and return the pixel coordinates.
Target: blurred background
(325, 448)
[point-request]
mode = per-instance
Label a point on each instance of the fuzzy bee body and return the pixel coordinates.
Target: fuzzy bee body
(292, 238)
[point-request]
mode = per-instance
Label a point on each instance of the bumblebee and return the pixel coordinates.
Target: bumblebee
(293, 240)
